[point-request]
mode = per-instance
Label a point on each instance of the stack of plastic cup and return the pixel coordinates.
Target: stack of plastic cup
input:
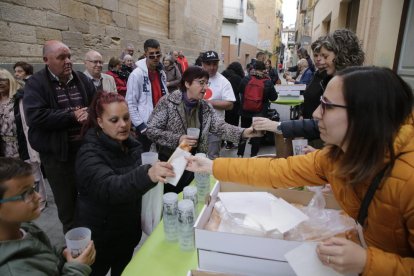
(190, 192)
(202, 183)
(186, 218)
(170, 216)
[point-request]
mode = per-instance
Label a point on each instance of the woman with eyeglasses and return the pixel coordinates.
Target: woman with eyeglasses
(332, 53)
(367, 122)
(111, 182)
(185, 108)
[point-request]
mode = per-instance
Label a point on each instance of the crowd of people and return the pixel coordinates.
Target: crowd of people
(85, 132)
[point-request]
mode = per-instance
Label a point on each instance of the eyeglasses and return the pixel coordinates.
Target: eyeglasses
(4, 80)
(26, 196)
(96, 62)
(325, 105)
(202, 82)
(154, 55)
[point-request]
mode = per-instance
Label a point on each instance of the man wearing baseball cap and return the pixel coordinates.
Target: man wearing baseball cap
(219, 94)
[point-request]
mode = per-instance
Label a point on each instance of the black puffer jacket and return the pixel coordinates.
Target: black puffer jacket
(110, 183)
(307, 128)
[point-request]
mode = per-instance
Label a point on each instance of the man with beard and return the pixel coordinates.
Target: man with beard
(55, 103)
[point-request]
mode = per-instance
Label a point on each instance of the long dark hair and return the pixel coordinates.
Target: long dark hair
(237, 68)
(379, 102)
(96, 108)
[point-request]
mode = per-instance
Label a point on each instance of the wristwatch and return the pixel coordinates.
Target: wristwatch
(279, 128)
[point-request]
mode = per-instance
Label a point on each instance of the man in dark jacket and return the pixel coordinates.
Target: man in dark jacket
(55, 103)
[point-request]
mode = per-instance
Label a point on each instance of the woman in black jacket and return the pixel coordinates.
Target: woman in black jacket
(111, 182)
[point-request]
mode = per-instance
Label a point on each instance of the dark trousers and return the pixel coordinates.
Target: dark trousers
(232, 117)
(247, 122)
(114, 258)
(62, 180)
(145, 142)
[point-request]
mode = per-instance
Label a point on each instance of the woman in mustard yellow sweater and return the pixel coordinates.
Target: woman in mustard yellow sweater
(366, 121)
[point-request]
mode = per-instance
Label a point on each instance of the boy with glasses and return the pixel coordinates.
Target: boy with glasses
(146, 85)
(25, 248)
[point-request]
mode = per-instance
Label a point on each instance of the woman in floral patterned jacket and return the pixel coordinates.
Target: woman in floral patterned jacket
(185, 108)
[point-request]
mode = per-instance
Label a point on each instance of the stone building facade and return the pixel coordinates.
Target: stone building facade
(107, 26)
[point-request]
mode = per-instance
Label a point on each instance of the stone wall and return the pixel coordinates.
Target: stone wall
(106, 26)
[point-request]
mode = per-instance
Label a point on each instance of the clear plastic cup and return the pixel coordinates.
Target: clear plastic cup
(193, 132)
(149, 158)
(259, 132)
(77, 240)
(298, 145)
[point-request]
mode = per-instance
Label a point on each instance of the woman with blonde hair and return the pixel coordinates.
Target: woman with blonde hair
(13, 129)
(8, 128)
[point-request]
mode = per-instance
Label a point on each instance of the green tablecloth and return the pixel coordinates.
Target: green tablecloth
(159, 257)
(287, 100)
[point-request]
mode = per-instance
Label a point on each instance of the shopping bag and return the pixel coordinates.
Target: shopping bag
(151, 209)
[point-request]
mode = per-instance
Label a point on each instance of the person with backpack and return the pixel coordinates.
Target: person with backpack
(255, 92)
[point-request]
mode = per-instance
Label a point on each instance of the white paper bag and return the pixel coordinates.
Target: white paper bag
(151, 209)
(178, 161)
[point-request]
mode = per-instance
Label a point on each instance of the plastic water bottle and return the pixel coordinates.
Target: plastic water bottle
(190, 192)
(202, 183)
(170, 216)
(185, 224)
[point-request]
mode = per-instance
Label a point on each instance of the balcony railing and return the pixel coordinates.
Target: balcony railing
(232, 14)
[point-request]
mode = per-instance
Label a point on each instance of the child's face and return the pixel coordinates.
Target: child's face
(20, 210)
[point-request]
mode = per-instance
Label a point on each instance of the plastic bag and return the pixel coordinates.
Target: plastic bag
(151, 209)
(323, 223)
(239, 224)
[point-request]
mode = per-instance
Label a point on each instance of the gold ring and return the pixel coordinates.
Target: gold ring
(328, 260)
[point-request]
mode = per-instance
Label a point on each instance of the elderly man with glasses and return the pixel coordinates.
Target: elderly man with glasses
(93, 65)
(146, 85)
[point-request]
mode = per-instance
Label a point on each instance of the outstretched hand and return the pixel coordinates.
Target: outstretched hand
(199, 164)
(342, 255)
(262, 123)
(252, 132)
(159, 171)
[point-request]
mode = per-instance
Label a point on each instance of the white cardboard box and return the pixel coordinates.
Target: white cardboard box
(247, 255)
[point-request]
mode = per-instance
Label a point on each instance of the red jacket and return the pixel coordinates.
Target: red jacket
(121, 85)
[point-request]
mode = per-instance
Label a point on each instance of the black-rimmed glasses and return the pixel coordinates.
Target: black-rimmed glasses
(26, 196)
(325, 105)
(202, 82)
